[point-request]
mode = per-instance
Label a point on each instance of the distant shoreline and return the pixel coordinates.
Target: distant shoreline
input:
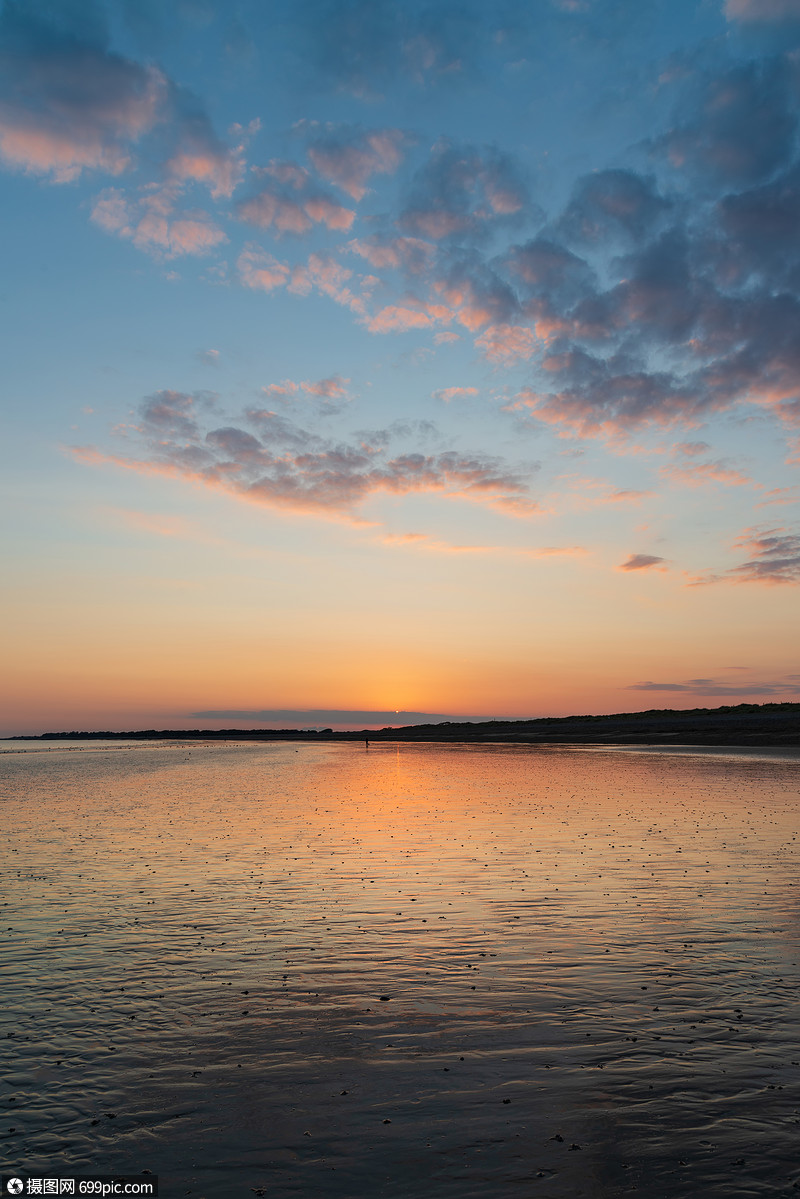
(769, 725)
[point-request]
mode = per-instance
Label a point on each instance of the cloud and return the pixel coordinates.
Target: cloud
(289, 201)
(717, 351)
(462, 191)
(611, 204)
(454, 393)
(657, 687)
(175, 413)
(430, 544)
(474, 291)
(602, 401)
(348, 156)
(643, 562)
(774, 556)
(583, 492)
(330, 390)
(545, 270)
(327, 275)
(760, 231)
(739, 124)
(208, 357)
(507, 344)
(413, 314)
(780, 495)
(151, 222)
(657, 297)
(422, 432)
(306, 717)
(624, 495)
(711, 687)
(67, 103)
(281, 464)
(762, 11)
(412, 255)
(698, 474)
(631, 308)
(363, 45)
(693, 319)
(260, 270)
(199, 156)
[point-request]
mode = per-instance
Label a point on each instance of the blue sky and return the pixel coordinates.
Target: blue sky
(408, 357)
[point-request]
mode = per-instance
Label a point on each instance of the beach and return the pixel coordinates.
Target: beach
(409, 970)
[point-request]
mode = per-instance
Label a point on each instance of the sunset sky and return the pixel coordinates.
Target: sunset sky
(367, 362)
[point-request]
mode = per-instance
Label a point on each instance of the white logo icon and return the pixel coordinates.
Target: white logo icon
(14, 1186)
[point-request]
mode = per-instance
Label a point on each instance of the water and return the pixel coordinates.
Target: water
(412, 971)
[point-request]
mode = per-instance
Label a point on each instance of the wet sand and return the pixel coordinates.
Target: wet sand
(412, 971)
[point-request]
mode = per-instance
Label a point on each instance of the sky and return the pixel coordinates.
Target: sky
(368, 363)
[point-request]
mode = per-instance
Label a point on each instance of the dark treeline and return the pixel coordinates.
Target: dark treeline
(771, 724)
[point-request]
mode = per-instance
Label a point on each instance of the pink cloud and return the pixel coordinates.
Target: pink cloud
(461, 190)
(70, 104)
(780, 495)
(587, 493)
(286, 215)
(399, 318)
(507, 344)
(404, 538)
(329, 277)
(474, 306)
(441, 339)
(260, 270)
(348, 159)
(287, 466)
(774, 556)
(329, 213)
(581, 413)
(772, 559)
(559, 551)
(215, 166)
(290, 202)
(285, 388)
(429, 544)
(626, 495)
(331, 389)
(82, 110)
(454, 393)
(150, 221)
(699, 474)
(411, 254)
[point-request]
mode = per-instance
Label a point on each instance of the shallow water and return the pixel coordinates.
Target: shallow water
(412, 971)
